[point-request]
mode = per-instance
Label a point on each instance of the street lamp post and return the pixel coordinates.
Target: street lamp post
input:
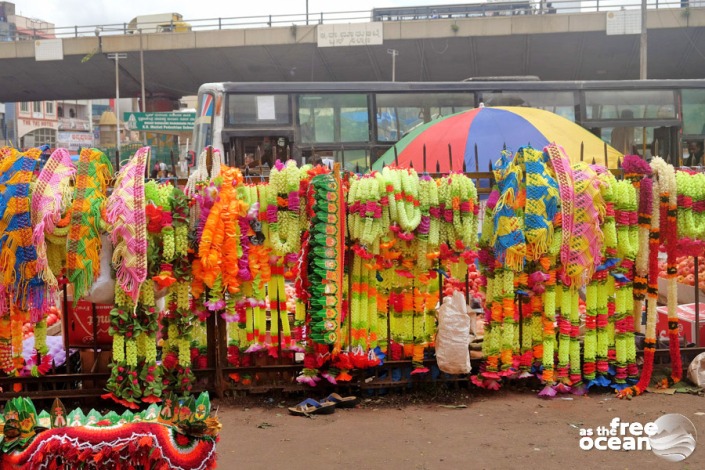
(116, 57)
(394, 54)
(643, 43)
(144, 101)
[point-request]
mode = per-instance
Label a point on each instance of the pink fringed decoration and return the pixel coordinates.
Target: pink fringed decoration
(46, 207)
(126, 215)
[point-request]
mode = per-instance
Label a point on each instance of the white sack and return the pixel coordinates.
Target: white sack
(696, 370)
(453, 336)
(103, 289)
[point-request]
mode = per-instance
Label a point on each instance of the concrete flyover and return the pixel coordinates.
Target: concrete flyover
(553, 47)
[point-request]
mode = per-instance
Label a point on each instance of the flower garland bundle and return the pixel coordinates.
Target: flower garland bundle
(651, 314)
(459, 209)
(668, 218)
(698, 210)
(404, 204)
(201, 202)
(284, 208)
(83, 244)
(123, 384)
(248, 307)
(690, 195)
(622, 324)
(604, 291)
(563, 315)
(590, 340)
(498, 344)
(49, 200)
(128, 231)
(489, 369)
(428, 231)
(365, 216)
(550, 306)
(199, 179)
(216, 250)
(179, 320)
(526, 345)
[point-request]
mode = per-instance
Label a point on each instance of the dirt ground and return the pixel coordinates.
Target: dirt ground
(457, 429)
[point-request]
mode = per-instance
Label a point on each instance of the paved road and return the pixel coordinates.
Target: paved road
(504, 430)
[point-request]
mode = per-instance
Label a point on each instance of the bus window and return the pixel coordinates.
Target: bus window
(334, 118)
(560, 102)
(204, 123)
(268, 109)
(354, 159)
(693, 112)
(643, 104)
(398, 114)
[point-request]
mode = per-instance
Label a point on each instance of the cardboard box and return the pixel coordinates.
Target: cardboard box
(686, 293)
(686, 320)
(81, 324)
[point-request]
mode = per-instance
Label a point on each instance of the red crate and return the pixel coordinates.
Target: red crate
(686, 320)
(81, 324)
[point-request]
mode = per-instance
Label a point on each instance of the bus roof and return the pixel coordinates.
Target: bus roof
(342, 87)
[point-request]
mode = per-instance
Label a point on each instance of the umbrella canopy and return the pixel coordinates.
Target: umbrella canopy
(490, 130)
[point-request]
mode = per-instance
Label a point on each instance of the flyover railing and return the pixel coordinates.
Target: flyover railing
(469, 10)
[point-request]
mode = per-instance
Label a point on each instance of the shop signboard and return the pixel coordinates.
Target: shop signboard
(156, 122)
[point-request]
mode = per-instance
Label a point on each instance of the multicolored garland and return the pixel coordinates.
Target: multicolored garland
(125, 214)
(50, 199)
(83, 245)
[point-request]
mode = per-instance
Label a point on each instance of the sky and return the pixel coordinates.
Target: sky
(100, 12)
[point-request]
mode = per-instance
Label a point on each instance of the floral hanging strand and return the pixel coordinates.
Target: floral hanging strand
(669, 235)
(649, 186)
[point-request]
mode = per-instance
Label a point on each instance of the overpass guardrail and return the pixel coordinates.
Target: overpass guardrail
(469, 10)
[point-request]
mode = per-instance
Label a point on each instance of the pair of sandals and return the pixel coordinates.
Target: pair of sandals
(325, 407)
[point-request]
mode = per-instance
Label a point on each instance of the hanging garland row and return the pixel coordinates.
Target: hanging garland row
(364, 253)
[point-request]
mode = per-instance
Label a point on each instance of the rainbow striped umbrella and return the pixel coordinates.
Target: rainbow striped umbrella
(490, 130)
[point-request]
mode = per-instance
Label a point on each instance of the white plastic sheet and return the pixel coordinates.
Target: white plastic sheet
(453, 336)
(696, 370)
(103, 289)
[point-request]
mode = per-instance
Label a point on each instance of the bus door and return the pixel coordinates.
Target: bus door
(258, 150)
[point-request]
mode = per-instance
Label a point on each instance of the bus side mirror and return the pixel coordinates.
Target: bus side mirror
(191, 158)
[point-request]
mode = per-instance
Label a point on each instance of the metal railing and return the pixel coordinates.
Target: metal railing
(470, 10)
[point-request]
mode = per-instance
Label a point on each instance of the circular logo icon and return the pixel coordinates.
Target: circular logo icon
(675, 439)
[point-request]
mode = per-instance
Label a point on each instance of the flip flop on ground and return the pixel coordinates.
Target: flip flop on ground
(341, 402)
(311, 407)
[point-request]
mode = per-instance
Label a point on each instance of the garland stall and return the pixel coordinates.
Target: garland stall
(602, 235)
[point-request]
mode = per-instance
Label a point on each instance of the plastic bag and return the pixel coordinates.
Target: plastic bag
(103, 289)
(453, 336)
(696, 370)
